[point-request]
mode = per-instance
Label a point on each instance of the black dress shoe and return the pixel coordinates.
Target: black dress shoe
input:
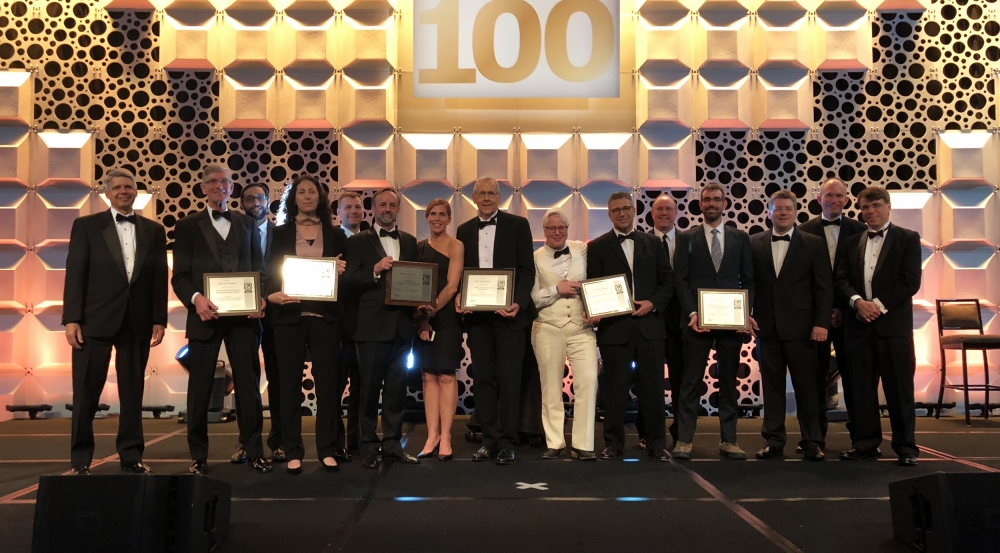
(813, 453)
(505, 457)
(484, 454)
(583, 455)
(81, 471)
(402, 457)
(369, 461)
(342, 456)
(611, 454)
(261, 465)
(136, 468)
(294, 471)
(278, 455)
(770, 452)
(198, 467)
(551, 453)
(857, 455)
(239, 456)
(431, 453)
(329, 468)
(907, 461)
(799, 450)
(659, 454)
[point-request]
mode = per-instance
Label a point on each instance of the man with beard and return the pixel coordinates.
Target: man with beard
(717, 256)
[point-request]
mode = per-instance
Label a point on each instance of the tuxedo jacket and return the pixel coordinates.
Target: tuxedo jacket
(848, 228)
(283, 244)
(512, 249)
(895, 281)
(376, 321)
(651, 280)
(788, 305)
(196, 253)
(673, 318)
(694, 268)
(552, 308)
(97, 289)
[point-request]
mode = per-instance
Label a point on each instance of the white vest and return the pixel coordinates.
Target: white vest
(564, 310)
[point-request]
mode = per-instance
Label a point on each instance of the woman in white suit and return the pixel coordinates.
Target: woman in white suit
(562, 330)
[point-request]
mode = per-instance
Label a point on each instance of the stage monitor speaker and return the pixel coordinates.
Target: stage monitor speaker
(944, 512)
(131, 513)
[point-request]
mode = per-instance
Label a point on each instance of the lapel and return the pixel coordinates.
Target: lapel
(886, 244)
(270, 240)
(378, 242)
(700, 242)
(543, 264)
(616, 247)
(406, 248)
(794, 250)
(769, 254)
(862, 244)
(114, 245)
(142, 239)
(731, 249)
(208, 230)
(474, 231)
(578, 266)
(499, 236)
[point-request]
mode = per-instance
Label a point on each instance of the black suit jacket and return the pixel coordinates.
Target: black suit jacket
(376, 321)
(283, 243)
(673, 318)
(97, 289)
(895, 281)
(848, 228)
(512, 249)
(694, 268)
(195, 253)
(787, 306)
(651, 280)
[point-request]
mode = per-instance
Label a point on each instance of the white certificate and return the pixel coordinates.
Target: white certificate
(608, 296)
(487, 289)
(723, 309)
(310, 278)
(234, 293)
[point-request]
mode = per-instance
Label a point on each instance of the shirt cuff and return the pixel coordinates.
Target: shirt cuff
(193, 296)
(880, 306)
(853, 299)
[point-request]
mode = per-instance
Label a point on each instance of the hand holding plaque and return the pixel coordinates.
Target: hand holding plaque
(606, 296)
(233, 293)
(410, 283)
(723, 309)
(310, 278)
(487, 290)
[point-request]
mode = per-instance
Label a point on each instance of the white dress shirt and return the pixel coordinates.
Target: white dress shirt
(779, 249)
(487, 235)
(221, 224)
(561, 267)
(126, 238)
(873, 248)
(832, 233)
(671, 243)
(722, 236)
(262, 229)
(347, 231)
(389, 244)
(628, 246)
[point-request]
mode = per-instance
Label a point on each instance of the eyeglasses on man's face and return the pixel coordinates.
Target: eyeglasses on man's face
(556, 229)
(619, 210)
(260, 198)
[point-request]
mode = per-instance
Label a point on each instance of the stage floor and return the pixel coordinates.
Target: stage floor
(706, 504)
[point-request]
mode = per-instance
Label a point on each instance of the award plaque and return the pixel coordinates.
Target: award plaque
(606, 296)
(723, 309)
(487, 289)
(310, 278)
(234, 293)
(411, 283)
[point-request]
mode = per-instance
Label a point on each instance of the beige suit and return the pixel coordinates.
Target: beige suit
(559, 332)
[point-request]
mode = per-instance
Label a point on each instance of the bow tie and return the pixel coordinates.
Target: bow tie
(827, 223)
(560, 253)
(872, 235)
(394, 234)
(227, 215)
(484, 224)
(624, 237)
(784, 237)
(120, 218)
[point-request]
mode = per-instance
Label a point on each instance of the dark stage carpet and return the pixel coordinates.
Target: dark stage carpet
(706, 504)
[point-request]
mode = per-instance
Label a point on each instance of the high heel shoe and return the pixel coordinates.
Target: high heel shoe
(294, 471)
(447, 457)
(431, 453)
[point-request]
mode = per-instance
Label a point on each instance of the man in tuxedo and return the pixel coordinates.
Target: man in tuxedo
(255, 201)
(217, 240)
(497, 240)
(384, 333)
(717, 256)
(834, 228)
(791, 311)
(664, 218)
(350, 212)
(634, 339)
(115, 296)
(879, 273)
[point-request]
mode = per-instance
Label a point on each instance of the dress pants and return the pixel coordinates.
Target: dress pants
(823, 372)
(697, 347)
(322, 339)
(273, 373)
(618, 373)
(800, 359)
(497, 356)
(552, 346)
(90, 372)
(241, 346)
(347, 438)
(673, 353)
(382, 368)
(893, 360)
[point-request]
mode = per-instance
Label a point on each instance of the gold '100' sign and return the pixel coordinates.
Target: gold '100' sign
(446, 20)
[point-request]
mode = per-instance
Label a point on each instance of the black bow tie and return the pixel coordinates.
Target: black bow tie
(872, 235)
(484, 224)
(394, 234)
(131, 218)
(624, 237)
(227, 215)
(560, 253)
(827, 223)
(783, 237)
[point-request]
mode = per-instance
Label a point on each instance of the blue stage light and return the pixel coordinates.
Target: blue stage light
(631, 460)
(631, 499)
(409, 360)
(409, 498)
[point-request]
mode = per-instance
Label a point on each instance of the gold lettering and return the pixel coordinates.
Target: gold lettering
(602, 48)
(529, 29)
(445, 17)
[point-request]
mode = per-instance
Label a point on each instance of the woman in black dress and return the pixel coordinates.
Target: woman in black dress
(439, 351)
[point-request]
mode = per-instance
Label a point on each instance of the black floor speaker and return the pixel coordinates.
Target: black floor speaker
(947, 512)
(131, 513)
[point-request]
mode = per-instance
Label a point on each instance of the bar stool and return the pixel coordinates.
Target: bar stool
(965, 315)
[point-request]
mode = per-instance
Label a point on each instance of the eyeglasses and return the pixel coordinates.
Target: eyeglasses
(260, 198)
(619, 210)
(488, 194)
(217, 181)
(557, 230)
